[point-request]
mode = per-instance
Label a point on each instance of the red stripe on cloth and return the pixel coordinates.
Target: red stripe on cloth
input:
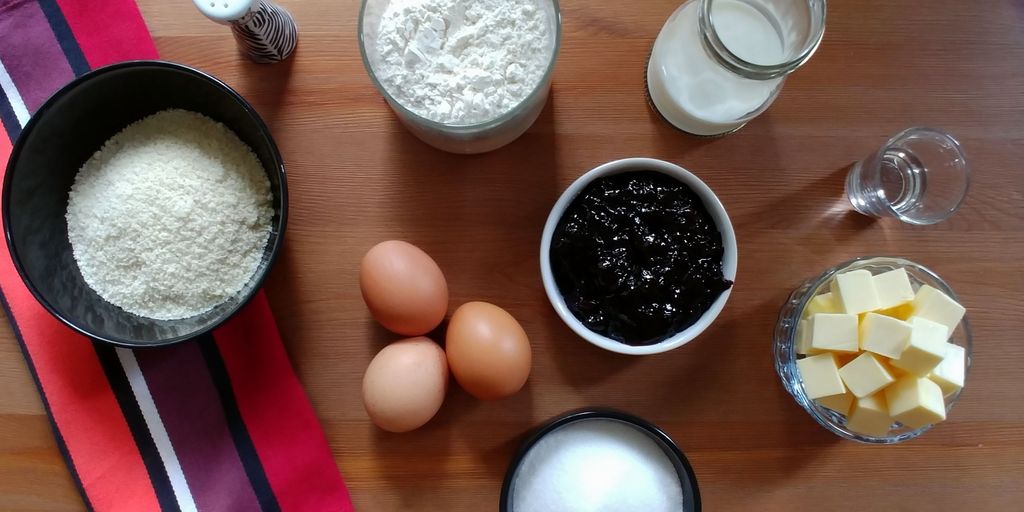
(279, 421)
(71, 379)
(5, 153)
(109, 31)
(278, 415)
(193, 416)
(84, 409)
(35, 43)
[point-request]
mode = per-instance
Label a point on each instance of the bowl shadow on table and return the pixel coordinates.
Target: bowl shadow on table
(448, 438)
(581, 363)
(798, 429)
(484, 198)
(286, 302)
(698, 362)
(285, 299)
(674, 143)
(786, 443)
(797, 440)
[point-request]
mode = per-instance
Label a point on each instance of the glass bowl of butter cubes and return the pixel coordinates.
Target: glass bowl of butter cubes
(876, 349)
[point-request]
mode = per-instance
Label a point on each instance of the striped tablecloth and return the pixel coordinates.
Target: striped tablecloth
(218, 424)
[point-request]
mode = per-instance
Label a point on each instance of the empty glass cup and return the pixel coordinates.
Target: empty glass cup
(920, 176)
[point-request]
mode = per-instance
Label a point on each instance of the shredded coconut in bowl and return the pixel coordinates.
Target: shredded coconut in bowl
(463, 62)
(170, 217)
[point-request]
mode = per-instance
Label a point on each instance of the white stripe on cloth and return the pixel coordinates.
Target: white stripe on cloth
(17, 104)
(157, 430)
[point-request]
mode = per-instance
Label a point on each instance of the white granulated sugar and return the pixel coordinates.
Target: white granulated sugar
(597, 466)
(170, 217)
(463, 61)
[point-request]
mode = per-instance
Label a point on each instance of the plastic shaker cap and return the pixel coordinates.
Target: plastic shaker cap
(224, 11)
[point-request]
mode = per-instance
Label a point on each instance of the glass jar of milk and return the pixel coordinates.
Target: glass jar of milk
(717, 64)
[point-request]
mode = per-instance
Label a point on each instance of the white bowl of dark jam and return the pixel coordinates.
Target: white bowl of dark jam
(638, 256)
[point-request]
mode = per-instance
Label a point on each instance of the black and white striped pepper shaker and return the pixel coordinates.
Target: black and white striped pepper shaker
(264, 31)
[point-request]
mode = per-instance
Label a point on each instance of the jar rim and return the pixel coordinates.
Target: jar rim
(724, 56)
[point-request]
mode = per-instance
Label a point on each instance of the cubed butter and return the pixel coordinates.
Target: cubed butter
(844, 358)
(901, 312)
(870, 415)
(837, 332)
(893, 288)
(803, 339)
(926, 349)
(915, 402)
(938, 307)
(854, 292)
(884, 335)
(820, 375)
(895, 371)
(821, 304)
(949, 374)
(838, 403)
(865, 375)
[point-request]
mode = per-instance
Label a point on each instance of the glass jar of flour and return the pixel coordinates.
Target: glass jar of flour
(465, 76)
(717, 64)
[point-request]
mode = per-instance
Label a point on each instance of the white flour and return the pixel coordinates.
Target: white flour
(463, 61)
(170, 217)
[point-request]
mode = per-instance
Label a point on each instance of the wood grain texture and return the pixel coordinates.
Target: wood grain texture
(357, 177)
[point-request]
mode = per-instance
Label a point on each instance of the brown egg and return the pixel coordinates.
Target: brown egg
(403, 287)
(405, 384)
(488, 351)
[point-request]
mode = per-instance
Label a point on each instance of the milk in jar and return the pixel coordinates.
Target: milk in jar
(712, 89)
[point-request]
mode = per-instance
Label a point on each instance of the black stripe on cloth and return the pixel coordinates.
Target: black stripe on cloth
(68, 43)
(239, 433)
(46, 404)
(10, 122)
(137, 425)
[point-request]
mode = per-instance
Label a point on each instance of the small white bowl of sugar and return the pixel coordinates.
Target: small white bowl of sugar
(596, 460)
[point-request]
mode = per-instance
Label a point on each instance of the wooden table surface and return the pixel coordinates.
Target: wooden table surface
(356, 177)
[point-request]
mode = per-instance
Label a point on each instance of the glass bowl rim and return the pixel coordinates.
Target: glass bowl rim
(797, 391)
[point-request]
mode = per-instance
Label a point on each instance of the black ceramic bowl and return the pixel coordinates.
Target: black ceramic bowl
(71, 126)
(687, 478)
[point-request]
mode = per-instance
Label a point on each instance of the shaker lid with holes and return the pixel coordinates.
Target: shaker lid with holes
(224, 11)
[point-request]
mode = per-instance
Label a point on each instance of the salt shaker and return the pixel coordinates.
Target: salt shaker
(264, 31)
